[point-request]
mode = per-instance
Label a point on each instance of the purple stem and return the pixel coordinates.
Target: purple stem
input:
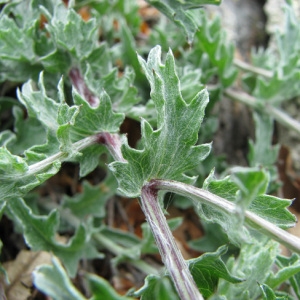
(78, 82)
(168, 249)
(113, 144)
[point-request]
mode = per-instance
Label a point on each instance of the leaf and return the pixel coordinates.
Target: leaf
(15, 43)
(40, 232)
(262, 152)
(175, 137)
(271, 208)
(101, 289)
(289, 270)
(79, 120)
(29, 132)
(254, 264)
(176, 11)
(19, 273)
(16, 178)
(54, 281)
(252, 182)
(230, 223)
(285, 80)
(208, 268)
(274, 209)
(269, 294)
(92, 201)
(71, 32)
(156, 287)
(211, 40)
(213, 238)
(66, 124)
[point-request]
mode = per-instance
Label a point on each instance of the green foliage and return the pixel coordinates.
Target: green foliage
(174, 136)
(78, 81)
(39, 233)
(284, 84)
(177, 12)
(208, 268)
(53, 280)
(158, 287)
(254, 265)
(231, 188)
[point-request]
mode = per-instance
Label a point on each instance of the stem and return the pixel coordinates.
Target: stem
(78, 81)
(119, 250)
(247, 67)
(171, 255)
(101, 239)
(111, 141)
(196, 194)
(78, 146)
(280, 116)
(283, 118)
(241, 97)
(113, 144)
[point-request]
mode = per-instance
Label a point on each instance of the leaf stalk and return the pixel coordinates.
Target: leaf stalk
(280, 116)
(169, 251)
(197, 194)
(249, 68)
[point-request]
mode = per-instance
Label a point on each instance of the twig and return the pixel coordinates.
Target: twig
(171, 255)
(279, 115)
(247, 67)
(196, 194)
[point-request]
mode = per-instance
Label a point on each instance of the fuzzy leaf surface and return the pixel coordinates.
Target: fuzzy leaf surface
(254, 264)
(289, 271)
(269, 207)
(168, 151)
(208, 268)
(55, 282)
(156, 287)
(176, 10)
(40, 231)
(269, 294)
(101, 289)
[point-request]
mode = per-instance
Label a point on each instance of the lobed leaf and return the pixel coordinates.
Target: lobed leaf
(54, 281)
(101, 289)
(269, 294)
(176, 11)
(254, 264)
(208, 268)
(92, 200)
(211, 40)
(284, 84)
(289, 271)
(156, 287)
(40, 234)
(269, 207)
(71, 32)
(168, 151)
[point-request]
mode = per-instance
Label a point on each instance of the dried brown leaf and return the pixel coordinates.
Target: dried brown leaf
(19, 273)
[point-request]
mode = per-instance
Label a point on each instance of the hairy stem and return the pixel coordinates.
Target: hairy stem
(113, 144)
(283, 118)
(78, 81)
(171, 255)
(280, 116)
(61, 156)
(196, 194)
(249, 68)
(100, 238)
(119, 250)
(111, 141)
